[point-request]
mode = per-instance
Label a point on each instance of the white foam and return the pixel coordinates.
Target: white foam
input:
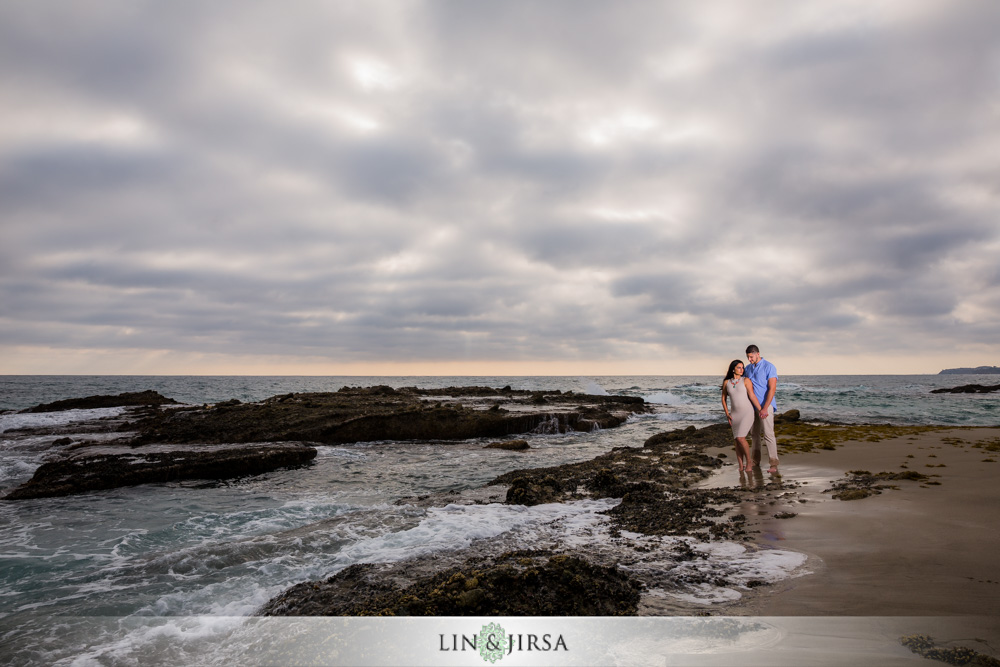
(169, 641)
(654, 559)
(441, 529)
(238, 583)
(682, 417)
(456, 526)
(52, 419)
(707, 594)
(222, 537)
(739, 564)
(854, 389)
(13, 469)
(666, 398)
(595, 389)
(350, 454)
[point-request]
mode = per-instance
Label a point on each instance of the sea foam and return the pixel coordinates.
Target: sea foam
(53, 419)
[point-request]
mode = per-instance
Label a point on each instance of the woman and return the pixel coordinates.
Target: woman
(744, 406)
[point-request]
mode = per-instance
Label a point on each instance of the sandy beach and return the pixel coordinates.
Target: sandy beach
(926, 550)
(916, 550)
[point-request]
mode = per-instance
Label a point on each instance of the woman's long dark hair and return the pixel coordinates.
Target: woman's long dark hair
(730, 374)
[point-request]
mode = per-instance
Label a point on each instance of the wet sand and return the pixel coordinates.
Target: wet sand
(921, 550)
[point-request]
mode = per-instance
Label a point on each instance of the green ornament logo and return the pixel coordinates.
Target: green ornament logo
(492, 642)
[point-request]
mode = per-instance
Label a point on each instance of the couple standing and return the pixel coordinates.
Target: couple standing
(751, 391)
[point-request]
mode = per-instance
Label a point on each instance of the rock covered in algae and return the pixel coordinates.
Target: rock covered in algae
(528, 583)
(925, 646)
(860, 484)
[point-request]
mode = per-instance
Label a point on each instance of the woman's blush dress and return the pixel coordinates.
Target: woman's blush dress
(740, 407)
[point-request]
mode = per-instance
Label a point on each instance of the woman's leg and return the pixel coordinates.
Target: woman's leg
(743, 453)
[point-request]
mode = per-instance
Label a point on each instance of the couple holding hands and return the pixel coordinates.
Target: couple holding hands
(751, 389)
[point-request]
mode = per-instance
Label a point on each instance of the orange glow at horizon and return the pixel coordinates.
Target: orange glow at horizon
(39, 360)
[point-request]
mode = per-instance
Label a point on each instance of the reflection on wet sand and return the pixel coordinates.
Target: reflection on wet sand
(755, 480)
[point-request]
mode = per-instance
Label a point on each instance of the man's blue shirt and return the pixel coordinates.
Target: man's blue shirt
(759, 374)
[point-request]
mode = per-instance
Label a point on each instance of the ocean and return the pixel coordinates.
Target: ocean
(199, 557)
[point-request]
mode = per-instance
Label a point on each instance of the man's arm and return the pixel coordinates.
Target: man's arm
(772, 386)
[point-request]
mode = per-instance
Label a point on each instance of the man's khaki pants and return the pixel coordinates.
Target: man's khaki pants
(763, 431)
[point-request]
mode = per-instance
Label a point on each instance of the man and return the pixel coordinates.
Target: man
(764, 377)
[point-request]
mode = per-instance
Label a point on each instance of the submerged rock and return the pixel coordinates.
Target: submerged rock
(126, 399)
(526, 583)
(510, 445)
(860, 484)
(968, 389)
(531, 490)
(93, 469)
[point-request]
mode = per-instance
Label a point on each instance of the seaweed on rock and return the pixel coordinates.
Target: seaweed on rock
(514, 584)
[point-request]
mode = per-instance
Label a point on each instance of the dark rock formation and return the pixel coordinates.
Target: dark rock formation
(213, 434)
(525, 583)
(126, 399)
(787, 417)
(653, 482)
(716, 435)
(382, 413)
(106, 468)
(510, 445)
(527, 489)
(968, 389)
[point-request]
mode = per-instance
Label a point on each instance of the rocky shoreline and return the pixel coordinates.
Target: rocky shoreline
(651, 493)
(656, 485)
(660, 513)
(657, 533)
(163, 441)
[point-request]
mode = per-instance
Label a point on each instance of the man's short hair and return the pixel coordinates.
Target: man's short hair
(752, 348)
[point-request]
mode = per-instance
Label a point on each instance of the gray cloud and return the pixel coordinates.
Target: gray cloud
(506, 181)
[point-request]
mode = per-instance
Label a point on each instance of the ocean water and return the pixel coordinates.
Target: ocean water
(199, 557)
(898, 399)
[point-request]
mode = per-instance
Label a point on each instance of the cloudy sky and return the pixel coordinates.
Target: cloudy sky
(439, 187)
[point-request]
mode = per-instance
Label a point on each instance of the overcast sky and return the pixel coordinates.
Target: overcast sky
(576, 187)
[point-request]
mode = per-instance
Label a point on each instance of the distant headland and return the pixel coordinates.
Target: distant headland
(978, 370)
